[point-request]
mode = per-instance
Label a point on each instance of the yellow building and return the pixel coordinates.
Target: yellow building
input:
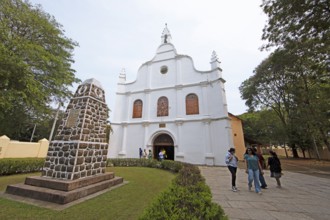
(238, 135)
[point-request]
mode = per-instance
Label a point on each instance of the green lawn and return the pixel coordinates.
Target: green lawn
(126, 202)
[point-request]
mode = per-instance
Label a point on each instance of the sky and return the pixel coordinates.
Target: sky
(113, 35)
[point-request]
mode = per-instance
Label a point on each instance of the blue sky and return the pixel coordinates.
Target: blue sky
(124, 34)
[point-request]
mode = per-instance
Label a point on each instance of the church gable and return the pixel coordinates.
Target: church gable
(171, 99)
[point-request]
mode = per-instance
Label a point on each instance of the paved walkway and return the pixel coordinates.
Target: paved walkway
(301, 197)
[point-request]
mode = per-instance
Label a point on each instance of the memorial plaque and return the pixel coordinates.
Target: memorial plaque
(72, 119)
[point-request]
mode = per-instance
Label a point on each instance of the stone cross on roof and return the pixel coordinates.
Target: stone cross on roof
(166, 36)
(214, 56)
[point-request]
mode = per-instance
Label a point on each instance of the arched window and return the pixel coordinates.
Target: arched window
(162, 106)
(192, 107)
(137, 109)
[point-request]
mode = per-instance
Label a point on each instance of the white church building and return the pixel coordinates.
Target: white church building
(172, 106)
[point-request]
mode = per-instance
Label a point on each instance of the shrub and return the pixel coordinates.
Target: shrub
(187, 198)
(133, 162)
(171, 165)
(20, 165)
(189, 176)
(180, 203)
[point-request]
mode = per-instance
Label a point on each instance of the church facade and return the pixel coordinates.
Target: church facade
(172, 106)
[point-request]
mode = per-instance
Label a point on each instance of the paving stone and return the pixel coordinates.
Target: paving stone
(302, 197)
(290, 215)
(240, 204)
(236, 213)
(264, 206)
(259, 214)
(288, 207)
(318, 216)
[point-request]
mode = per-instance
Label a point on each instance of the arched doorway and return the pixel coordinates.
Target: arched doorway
(164, 141)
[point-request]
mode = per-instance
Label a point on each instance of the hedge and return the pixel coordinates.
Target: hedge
(20, 165)
(171, 165)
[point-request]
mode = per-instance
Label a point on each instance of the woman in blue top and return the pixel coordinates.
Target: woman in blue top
(252, 169)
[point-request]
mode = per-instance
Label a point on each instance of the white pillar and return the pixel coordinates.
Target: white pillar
(146, 105)
(209, 156)
(179, 99)
(129, 109)
(179, 154)
(122, 153)
(178, 72)
(146, 133)
(205, 104)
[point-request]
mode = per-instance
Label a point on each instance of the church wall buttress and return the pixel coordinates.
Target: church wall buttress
(124, 143)
(204, 100)
(128, 108)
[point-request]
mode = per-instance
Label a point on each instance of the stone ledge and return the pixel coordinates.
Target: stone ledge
(67, 185)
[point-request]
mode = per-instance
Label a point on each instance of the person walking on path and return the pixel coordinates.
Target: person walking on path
(263, 165)
(252, 169)
(231, 161)
(275, 167)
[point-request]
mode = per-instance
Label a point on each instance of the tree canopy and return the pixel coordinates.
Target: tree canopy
(299, 22)
(35, 65)
(294, 81)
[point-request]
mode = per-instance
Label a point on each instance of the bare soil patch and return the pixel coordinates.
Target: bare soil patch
(307, 166)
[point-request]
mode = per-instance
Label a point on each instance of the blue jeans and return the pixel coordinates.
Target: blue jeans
(254, 176)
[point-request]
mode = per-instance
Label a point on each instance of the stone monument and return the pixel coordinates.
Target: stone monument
(77, 157)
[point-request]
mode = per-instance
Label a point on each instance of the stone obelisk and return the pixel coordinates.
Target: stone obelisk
(80, 148)
(77, 157)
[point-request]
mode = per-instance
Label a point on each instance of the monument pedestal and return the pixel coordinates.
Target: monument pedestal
(76, 160)
(63, 191)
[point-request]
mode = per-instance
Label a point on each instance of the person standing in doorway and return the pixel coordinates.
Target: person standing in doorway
(275, 167)
(140, 152)
(164, 153)
(252, 169)
(145, 154)
(161, 156)
(150, 155)
(231, 161)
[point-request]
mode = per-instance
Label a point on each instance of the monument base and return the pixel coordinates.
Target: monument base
(63, 191)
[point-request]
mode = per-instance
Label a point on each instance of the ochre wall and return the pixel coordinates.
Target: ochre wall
(17, 149)
(238, 136)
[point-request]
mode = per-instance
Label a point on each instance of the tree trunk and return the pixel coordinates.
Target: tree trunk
(309, 153)
(316, 149)
(303, 151)
(294, 151)
(286, 152)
